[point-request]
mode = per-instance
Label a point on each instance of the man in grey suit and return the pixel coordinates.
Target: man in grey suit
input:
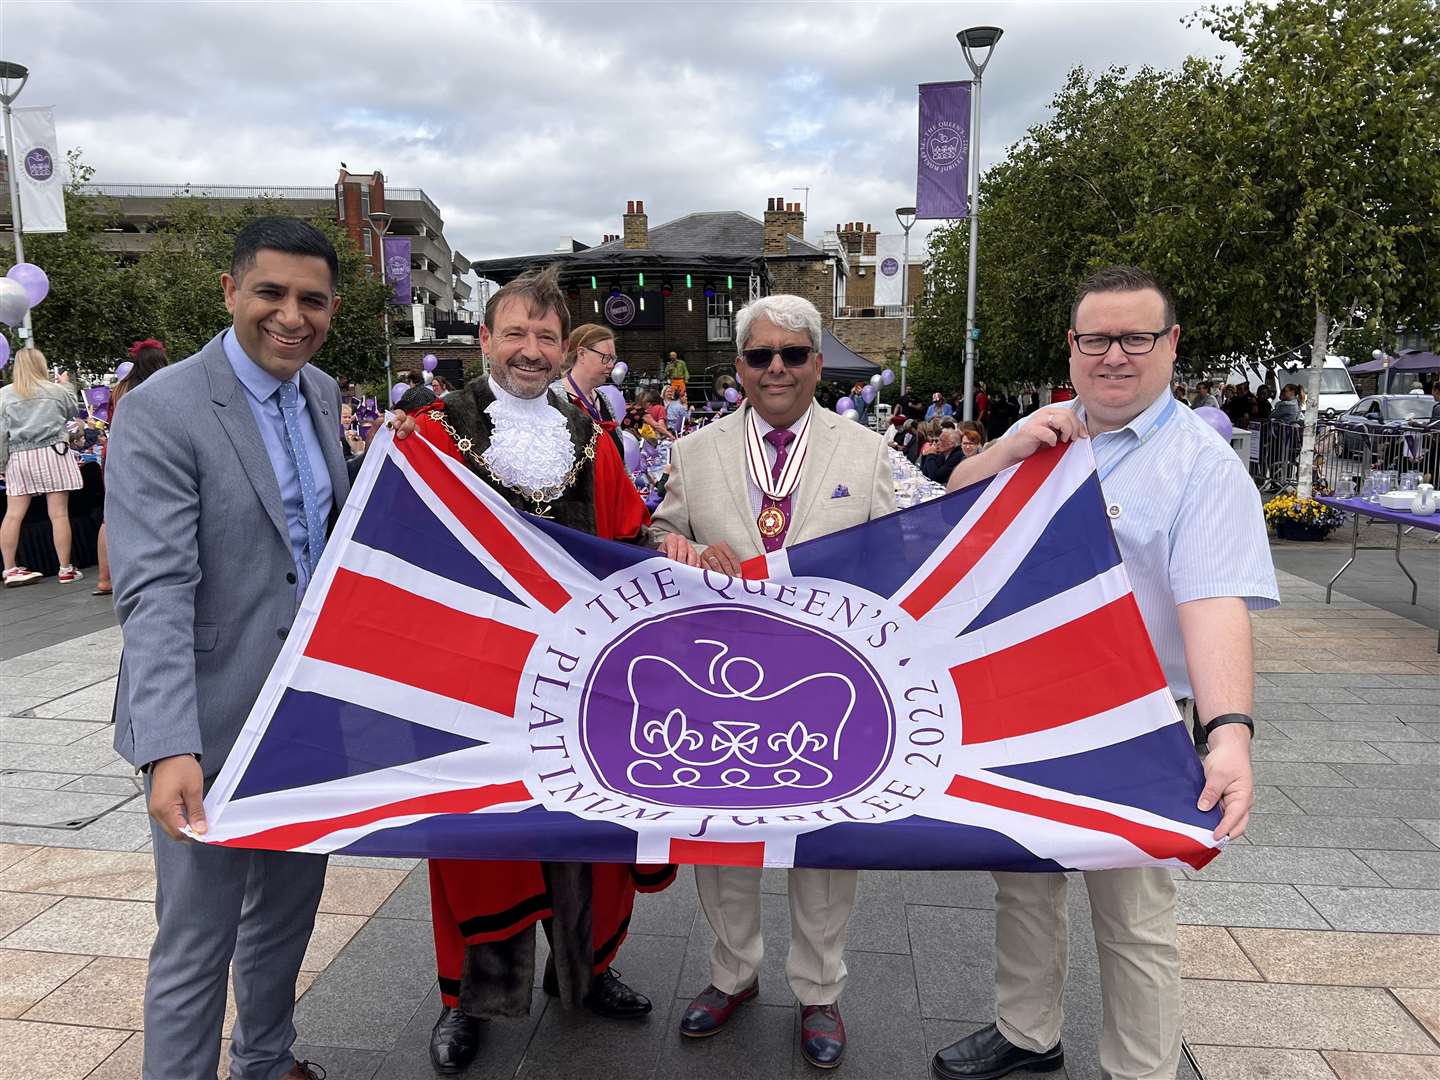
(223, 481)
(777, 472)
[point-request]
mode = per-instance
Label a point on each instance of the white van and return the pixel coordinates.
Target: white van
(1337, 389)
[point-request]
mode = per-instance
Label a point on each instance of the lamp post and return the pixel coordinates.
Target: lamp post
(380, 223)
(10, 71)
(975, 37)
(1384, 358)
(905, 215)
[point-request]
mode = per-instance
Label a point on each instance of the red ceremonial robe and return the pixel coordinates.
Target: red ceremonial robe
(474, 902)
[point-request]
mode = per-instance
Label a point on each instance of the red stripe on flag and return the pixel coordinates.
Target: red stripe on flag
(993, 522)
(717, 853)
(756, 568)
(372, 626)
(465, 801)
(1157, 843)
(1090, 665)
(484, 525)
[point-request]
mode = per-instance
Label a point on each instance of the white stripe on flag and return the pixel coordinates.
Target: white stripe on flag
(1041, 618)
(1152, 712)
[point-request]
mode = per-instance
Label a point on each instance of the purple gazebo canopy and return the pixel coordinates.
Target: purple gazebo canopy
(1408, 360)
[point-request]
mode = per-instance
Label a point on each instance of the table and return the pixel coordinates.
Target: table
(1358, 508)
(87, 510)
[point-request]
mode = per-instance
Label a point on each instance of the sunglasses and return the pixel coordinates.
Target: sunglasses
(790, 355)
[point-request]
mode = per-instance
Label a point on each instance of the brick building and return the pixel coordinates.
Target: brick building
(677, 286)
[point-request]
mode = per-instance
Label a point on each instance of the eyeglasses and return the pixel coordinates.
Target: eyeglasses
(1135, 343)
(790, 355)
(605, 358)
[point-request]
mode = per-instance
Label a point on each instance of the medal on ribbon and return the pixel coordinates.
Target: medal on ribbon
(774, 489)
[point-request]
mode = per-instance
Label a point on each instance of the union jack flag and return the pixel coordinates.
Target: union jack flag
(966, 684)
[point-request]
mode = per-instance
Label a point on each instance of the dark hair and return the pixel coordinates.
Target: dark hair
(1122, 279)
(147, 362)
(287, 235)
(540, 289)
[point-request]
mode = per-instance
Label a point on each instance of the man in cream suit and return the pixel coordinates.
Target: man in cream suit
(777, 472)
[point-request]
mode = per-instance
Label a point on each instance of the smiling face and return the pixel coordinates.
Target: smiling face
(778, 393)
(1116, 387)
(525, 351)
(282, 306)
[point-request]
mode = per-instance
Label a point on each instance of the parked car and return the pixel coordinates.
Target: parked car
(1378, 415)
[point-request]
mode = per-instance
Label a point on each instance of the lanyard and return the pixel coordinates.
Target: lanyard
(584, 402)
(1160, 421)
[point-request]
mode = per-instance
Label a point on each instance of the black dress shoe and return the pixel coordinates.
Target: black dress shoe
(822, 1035)
(607, 996)
(988, 1055)
(454, 1041)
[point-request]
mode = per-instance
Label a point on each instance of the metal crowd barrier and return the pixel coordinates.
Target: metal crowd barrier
(1348, 461)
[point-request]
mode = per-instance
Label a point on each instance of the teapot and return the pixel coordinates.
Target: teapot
(1427, 500)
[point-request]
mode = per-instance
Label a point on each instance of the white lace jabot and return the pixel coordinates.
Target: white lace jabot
(530, 447)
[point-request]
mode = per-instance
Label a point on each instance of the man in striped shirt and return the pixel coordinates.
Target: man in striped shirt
(1189, 526)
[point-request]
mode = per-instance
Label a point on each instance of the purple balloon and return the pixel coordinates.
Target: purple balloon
(732, 395)
(632, 450)
(429, 362)
(887, 376)
(619, 371)
(868, 394)
(398, 391)
(32, 279)
(4, 350)
(844, 405)
(123, 370)
(1217, 420)
(615, 398)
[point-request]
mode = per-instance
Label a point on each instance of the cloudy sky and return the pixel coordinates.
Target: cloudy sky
(529, 122)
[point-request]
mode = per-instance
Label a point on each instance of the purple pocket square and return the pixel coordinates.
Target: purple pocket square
(840, 492)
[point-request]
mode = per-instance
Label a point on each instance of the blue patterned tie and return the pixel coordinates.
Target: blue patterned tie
(314, 527)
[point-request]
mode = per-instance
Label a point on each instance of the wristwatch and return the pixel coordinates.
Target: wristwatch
(1230, 718)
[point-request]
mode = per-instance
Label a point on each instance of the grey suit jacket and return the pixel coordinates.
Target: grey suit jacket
(200, 555)
(708, 502)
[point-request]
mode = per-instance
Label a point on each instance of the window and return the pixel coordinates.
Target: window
(366, 236)
(365, 202)
(719, 322)
(339, 202)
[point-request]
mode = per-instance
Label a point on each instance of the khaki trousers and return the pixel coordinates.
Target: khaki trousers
(1133, 914)
(820, 905)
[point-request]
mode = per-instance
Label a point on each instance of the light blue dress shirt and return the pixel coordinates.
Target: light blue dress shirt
(260, 393)
(1187, 520)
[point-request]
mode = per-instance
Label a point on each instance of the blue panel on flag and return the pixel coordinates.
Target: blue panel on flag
(601, 557)
(883, 554)
(313, 738)
(915, 843)
(397, 521)
(1139, 772)
(1076, 546)
(533, 833)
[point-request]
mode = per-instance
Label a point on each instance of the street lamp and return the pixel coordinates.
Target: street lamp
(906, 216)
(1384, 359)
(10, 71)
(380, 223)
(976, 37)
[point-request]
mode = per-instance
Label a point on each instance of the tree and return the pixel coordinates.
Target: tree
(1340, 116)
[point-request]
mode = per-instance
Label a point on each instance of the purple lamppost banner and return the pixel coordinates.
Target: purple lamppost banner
(942, 174)
(397, 266)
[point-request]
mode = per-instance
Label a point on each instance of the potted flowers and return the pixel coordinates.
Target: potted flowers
(1301, 519)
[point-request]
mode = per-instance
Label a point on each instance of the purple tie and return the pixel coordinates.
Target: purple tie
(780, 439)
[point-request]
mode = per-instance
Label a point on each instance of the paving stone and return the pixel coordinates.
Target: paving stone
(53, 1051)
(350, 890)
(40, 807)
(108, 993)
(1272, 800)
(1300, 1017)
(1383, 1066)
(949, 888)
(24, 778)
(341, 1062)
(1423, 714)
(367, 995)
(1428, 828)
(113, 832)
(78, 758)
(1397, 695)
(1343, 959)
(1366, 802)
(1421, 777)
(1260, 1063)
(1415, 682)
(1209, 952)
(95, 702)
(410, 900)
(1287, 865)
(1298, 774)
(113, 875)
(10, 854)
(17, 909)
(882, 1017)
(1397, 911)
(1405, 869)
(1244, 904)
(82, 925)
(502, 1045)
(1275, 712)
(954, 957)
(371, 862)
(1309, 693)
(1354, 730)
(1424, 1005)
(331, 934)
(1290, 830)
(1411, 753)
(877, 922)
(1346, 681)
(671, 913)
(29, 729)
(1322, 750)
(125, 1062)
(26, 977)
(764, 1045)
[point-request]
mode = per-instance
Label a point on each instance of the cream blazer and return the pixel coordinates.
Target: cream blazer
(846, 480)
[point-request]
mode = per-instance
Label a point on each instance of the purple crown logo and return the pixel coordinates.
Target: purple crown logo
(943, 146)
(735, 709)
(39, 165)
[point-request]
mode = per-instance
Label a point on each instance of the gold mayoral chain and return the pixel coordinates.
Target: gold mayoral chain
(774, 489)
(541, 499)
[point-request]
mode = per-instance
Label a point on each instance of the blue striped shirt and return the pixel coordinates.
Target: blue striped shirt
(1187, 519)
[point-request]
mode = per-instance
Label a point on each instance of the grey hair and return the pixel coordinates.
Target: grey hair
(785, 311)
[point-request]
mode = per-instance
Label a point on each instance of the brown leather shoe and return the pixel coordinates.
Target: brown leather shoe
(712, 1009)
(305, 1070)
(822, 1035)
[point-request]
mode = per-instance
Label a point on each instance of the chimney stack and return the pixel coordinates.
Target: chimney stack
(777, 221)
(636, 225)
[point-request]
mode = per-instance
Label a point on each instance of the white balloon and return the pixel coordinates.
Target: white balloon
(14, 302)
(851, 414)
(875, 379)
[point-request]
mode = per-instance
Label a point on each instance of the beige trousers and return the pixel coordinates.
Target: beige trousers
(1133, 914)
(820, 905)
